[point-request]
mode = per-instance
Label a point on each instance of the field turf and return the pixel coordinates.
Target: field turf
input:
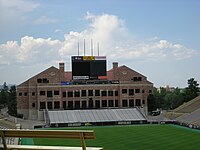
(141, 137)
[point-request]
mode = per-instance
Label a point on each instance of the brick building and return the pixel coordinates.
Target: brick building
(53, 89)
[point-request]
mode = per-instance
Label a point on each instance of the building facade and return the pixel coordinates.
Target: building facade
(54, 89)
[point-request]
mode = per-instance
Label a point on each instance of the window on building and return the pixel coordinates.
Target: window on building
(42, 105)
(110, 103)
(56, 92)
(104, 103)
(57, 105)
(90, 103)
(25, 94)
(124, 91)
(49, 105)
(116, 93)
(77, 104)
(64, 105)
(131, 103)
(70, 104)
(70, 94)
(150, 91)
(33, 105)
(83, 93)
(77, 94)
(110, 93)
(42, 93)
(124, 103)
(39, 80)
(131, 91)
(90, 92)
(49, 94)
(143, 101)
(20, 94)
(137, 90)
(45, 80)
(103, 93)
(138, 102)
(64, 94)
(97, 92)
(137, 79)
(84, 104)
(33, 93)
(116, 103)
(143, 91)
(97, 103)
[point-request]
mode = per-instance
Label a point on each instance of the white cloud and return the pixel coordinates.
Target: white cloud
(110, 31)
(45, 20)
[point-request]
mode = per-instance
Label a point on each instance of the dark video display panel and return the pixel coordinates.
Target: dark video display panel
(88, 67)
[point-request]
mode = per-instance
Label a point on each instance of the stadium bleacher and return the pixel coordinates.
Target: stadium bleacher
(188, 113)
(95, 116)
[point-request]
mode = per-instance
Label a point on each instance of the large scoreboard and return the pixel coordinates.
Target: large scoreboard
(89, 67)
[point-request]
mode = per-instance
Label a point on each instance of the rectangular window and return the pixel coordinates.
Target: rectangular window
(49, 94)
(42, 93)
(42, 105)
(131, 103)
(97, 103)
(116, 103)
(25, 94)
(110, 93)
(137, 79)
(70, 104)
(90, 92)
(64, 94)
(97, 92)
(76, 94)
(137, 90)
(77, 104)
(104, 103)
(131, 91)
(143, 101)
(83, 93)
(124, 103)
(56, 92)
(138, 102)
(33, 105)
(20, 94)
(57, 105)
(103, 93)
(84, 104)
(116, 93)
(64, 105)
(150, 91)
(124, 91)
(33, 93)
(44, 80)
(110, 103)
(70, 94)
(143, 91)
(90, 103)
(49, 105)
(39, 80)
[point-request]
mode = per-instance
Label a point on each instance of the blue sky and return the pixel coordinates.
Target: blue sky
(159, 39)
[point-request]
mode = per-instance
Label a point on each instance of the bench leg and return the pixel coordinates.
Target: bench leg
(82, 142)
(3, 140)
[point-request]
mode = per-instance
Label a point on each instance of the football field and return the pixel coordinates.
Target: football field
(139, 137)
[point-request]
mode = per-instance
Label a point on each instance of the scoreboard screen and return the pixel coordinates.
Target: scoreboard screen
(88, 67)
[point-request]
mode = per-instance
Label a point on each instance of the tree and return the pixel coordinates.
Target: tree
(191, 91)
(4, 95)
(12, 103)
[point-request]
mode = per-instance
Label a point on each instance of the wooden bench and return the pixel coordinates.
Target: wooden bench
(62, 134)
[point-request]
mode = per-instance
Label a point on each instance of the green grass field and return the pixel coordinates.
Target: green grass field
(141, 137)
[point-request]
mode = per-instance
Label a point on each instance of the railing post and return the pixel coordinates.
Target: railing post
(3, 140)
(82, 141)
